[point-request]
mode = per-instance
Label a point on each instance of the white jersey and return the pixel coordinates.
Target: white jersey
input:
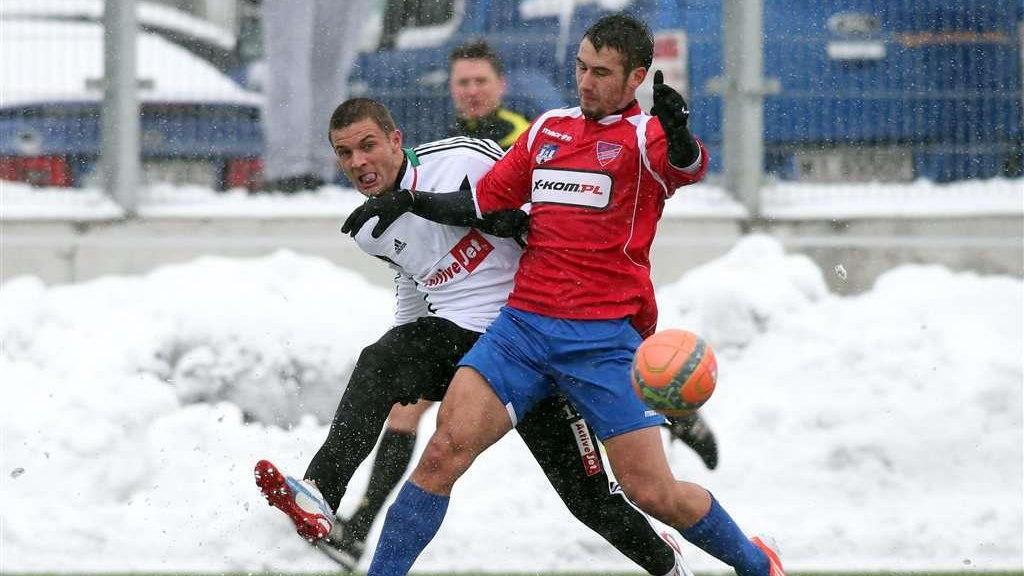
(456, 273)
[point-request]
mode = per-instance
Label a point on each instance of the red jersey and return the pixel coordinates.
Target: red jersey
(597, 189)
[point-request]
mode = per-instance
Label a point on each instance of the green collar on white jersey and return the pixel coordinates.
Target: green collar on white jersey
(414, 160)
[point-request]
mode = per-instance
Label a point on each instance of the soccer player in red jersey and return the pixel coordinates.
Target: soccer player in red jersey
(597, 177)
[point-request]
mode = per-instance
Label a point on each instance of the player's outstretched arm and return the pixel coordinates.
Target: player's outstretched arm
(452, 208)
(671, 109)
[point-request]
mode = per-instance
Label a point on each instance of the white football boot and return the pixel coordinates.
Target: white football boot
(681, 568)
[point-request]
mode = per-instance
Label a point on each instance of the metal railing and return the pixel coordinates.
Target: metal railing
(814, 90)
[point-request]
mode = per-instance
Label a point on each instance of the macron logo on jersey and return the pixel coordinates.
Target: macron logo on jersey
(462, 259)
(556, 135)
(593, 189)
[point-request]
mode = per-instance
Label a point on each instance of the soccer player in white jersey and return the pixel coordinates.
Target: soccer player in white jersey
(451, 282)
(597, 177)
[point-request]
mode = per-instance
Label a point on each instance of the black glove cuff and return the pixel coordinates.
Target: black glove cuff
(683, 149)
(505, 223)
(452, 208)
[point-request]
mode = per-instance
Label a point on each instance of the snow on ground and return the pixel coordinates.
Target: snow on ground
(880, 431)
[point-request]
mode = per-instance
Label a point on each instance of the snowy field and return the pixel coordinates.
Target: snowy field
(875, 432)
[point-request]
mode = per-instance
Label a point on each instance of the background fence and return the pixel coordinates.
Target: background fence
(869, 89)
(890, 90)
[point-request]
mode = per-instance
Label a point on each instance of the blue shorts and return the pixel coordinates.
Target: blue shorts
(526, 357)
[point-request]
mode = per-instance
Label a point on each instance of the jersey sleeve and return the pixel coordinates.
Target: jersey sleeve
(507, 185)
(410, 302)
(673, 176)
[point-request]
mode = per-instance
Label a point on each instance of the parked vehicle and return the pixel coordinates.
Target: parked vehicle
(198, 126)
(869, 89)
(875, 89)
(206, 40)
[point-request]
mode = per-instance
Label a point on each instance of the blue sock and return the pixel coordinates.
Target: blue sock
(409, 526)
(718, 535)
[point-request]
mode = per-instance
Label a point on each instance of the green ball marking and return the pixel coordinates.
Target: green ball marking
(670, 397)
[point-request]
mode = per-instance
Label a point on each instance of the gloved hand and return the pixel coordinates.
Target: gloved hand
(671, 109)
(387, 208)
(506, 223)
(669, 106)
(693, 431)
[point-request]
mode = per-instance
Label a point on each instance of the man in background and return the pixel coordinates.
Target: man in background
(310, 48)
(477, 82)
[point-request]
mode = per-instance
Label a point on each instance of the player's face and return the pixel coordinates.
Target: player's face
(476, 87)
(369, 157)
(602, 82)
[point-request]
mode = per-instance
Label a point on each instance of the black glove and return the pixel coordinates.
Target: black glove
(674, 114)
(693, 431)
(387, 208)
(505, 223)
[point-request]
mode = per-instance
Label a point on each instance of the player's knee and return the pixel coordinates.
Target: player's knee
(679, 504)
(377, 370)
(654, 498)
(371, 364)
(446, 456)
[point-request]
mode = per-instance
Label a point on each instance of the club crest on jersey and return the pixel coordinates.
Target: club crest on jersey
(547, 152)
(606, 152)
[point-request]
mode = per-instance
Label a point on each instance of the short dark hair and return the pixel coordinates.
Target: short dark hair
(477, 50)
(355, 109)
(625, 34)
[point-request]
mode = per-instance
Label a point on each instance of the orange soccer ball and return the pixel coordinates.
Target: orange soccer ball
(674, 372)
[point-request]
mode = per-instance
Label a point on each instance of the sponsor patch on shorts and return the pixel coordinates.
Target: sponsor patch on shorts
(588, 452)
